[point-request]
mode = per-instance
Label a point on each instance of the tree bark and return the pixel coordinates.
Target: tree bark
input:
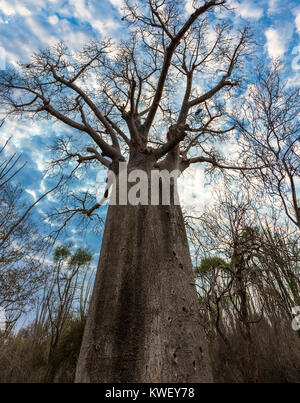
(143, 323)
(244, 316)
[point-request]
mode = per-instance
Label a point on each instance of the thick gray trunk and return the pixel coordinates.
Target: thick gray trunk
(143, 323)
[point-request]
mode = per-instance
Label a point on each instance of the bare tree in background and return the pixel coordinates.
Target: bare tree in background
(62, 293)
(140, 102)
(233, 243)
(21, 248)
(248, 282)
(269, 121)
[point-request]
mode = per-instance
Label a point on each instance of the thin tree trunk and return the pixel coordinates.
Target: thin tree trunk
(246, 329)
(143, 323)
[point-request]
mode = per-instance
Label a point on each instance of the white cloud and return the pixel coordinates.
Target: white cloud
(53, 19)
(248, 10)
(22, 10)
(11, 9)
(87, 12)
(297, 21)
(189, 6)
(104, 26)
(75, 39)
(274, 7)
(117, 4)
(6, 8)
(32, 193)
(40, 31)
(194, 191)
(276, 45)
(294, 81)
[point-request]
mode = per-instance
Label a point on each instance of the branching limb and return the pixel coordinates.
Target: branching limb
(217, 164)
(168, 58)
(22, 218)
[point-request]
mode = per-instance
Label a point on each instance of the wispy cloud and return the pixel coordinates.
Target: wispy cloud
(28, 25)
(248, 10)
(276, 43)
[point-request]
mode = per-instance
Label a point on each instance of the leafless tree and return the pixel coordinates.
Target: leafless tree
(269, 121)
(247, 271)
(156, 100)
(21, 248)
(226, 229)
(63, 292)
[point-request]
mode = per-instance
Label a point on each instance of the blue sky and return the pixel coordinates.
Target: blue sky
(29, 25)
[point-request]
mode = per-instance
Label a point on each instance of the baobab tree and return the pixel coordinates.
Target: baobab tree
(155, 101)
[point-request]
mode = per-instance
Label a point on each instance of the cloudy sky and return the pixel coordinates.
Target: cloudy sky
(29, 25)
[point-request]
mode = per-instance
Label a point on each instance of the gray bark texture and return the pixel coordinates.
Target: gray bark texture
(143, 323)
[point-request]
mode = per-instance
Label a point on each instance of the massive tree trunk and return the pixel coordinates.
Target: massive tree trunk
(143, 323)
